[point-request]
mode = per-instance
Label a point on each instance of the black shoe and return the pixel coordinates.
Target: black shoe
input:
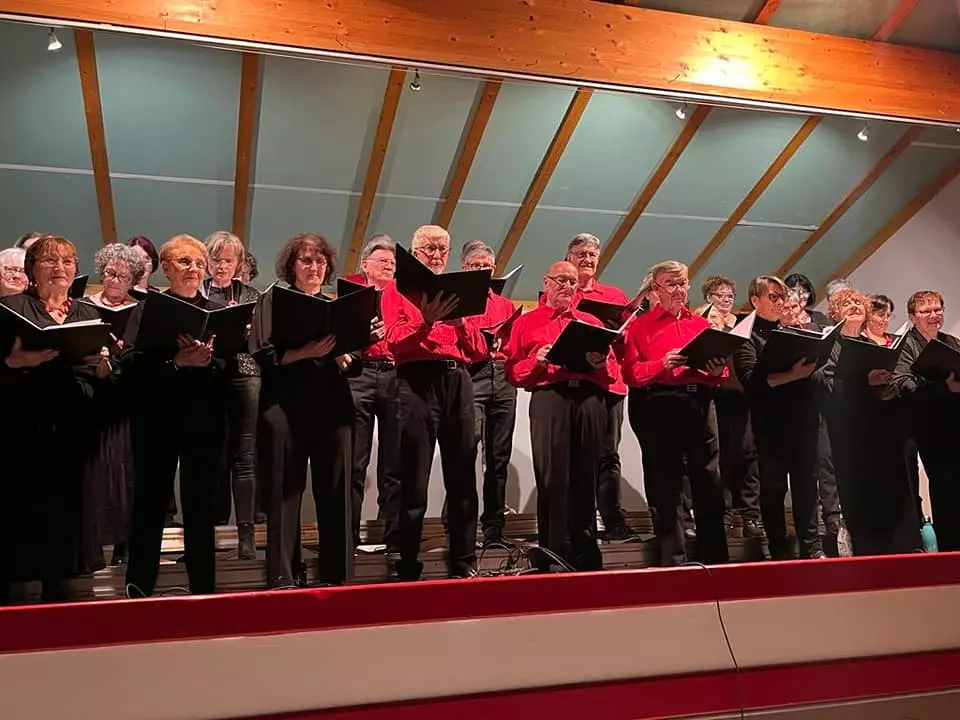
(493, 536)
(409, 570)
(246, 542)
(461, 571)
(119, 554)
(260, 518)
(619, 532)
(752, 529)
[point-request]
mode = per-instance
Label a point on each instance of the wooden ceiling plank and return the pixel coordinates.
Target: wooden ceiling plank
(765, 13)
(378, 153)
(468, 151)
(779, 163)
(93, 111)
(897, 16)
(542, 177)
(851, 197)
(649, 190)
(581, 41)
(893, 225)
(248, 117)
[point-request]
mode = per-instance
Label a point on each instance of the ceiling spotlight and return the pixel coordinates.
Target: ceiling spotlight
(415, 84)
(864, 133)
(53, 42)
(681, 112)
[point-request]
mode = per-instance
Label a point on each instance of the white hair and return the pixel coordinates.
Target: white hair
(476, 247)
(378, 242)
(12, 257)
(583, 239)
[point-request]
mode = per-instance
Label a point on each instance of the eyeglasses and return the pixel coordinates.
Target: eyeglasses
(311, 261)
(52, 262)
(185, 263)
(217, 262)
(432, 249)
(382, 262)
(676, 285)
(112, 274)
(775, 297)
(584, 254)
(723, 296)
(13, 271)
(569, 281)
(930, 311)
(478, 266)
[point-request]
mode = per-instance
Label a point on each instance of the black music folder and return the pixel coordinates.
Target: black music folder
(577, 339)
(937, 361)
(415, 281)
(503, 328)
(299, 318)
(139, 293)
(504, 286)
(787, 346)
(166, 316)
(712, 343)
(859, 356)
(116, 317)
(74, 341)
(345, 287)
(612, 315)
(78, 288)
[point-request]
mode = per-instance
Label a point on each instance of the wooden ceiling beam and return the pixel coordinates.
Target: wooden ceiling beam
(657, 179)
(579, 41)
(893, 225)
(93, 112)
(542, 177)
(248, 117)
(897, 16)
(388, 114)
(765, 13)
(468, 151)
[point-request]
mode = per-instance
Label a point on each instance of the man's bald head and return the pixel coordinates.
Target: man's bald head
(560, 283)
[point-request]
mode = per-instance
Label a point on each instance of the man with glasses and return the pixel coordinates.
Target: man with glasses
(933, 414)
(679, 422)
(568, 421)
(13, 279)
(584, 253)
(436, 406)
(785, 416)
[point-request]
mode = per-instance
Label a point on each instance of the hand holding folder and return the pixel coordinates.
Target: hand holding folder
(712, 344)
(299, 320)
(937, 362)
(449, 296)
(166, 318)
(79, 343)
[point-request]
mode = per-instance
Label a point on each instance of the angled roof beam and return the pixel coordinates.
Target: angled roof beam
(897, 16)
(468, 151)
(378, 153)
(542, 177)
(765, 13)
(248, 117)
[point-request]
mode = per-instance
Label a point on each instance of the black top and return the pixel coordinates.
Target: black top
(818, 321)
(905, 381)
(241, 364)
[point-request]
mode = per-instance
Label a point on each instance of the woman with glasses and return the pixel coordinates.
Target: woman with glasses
(13, 278)
(185, 426)
(50, 429)
(801, 285)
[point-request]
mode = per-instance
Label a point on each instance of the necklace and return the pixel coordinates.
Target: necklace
(63, 308)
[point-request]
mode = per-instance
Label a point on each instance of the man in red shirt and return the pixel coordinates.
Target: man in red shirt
(494, 399)
(678, 421)
(568, 420)
(436, 405)
(373, 383)
(584, 253)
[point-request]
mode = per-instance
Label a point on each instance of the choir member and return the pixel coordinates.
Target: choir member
(879, 311)
(801, 285)
(584, 253)
(185, 427)
(373, 383)
(242, 387)
(118, 266)
(13, 278)
(738, 453)
(876, 491)
(568, 420)
(306, 414)
(249, 271)
(151, 261)
(436, 406)
(495, 400)
(933, 413)
(679, 422)
(25, 241)
(786, 425)
(48, 428)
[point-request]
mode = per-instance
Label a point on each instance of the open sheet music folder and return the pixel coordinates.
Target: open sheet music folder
(786, 346)
(579, 338)
(858, 356)
(416, 281)
(116, 317)
(712, 343)
(937, 361)
(165, 316)
(74, 341)
(298, 318)
(504, 286)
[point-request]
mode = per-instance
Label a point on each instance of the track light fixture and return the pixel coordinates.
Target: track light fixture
(53, 42)
(415, 83)
(864, 133)
(681, 111)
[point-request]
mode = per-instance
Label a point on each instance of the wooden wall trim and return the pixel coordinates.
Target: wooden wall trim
(388, 114)
(93, 112)
(578, 41)
(542, 177)
(468, 151)
(248, 116)
(893, 225)
(778, 164)
(649, 190)
(897, 16)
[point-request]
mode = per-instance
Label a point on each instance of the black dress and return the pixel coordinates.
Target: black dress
(49, 426)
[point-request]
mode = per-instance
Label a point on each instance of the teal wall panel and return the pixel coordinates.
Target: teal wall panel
(941, 135)
(55, 203)
(726, 157)
(169, 108)
(725, 9)
(930, 24)
(41, 120)
(399, 217)
(856, 18)
(825, 168)
(481, 222)
(620, 140)
(317, 123)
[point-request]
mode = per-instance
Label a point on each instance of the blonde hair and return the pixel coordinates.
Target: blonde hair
(425, 232)
(221, 239)
(839, 297)
(180, 243)
(667, 267)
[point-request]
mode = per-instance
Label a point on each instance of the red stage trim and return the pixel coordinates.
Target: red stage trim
(39, 628)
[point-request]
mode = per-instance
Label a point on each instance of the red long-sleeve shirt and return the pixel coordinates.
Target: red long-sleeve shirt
(651, 336)
(379, 350)
(540, 327)
(615, 296)
(498, 310)
(409, 339)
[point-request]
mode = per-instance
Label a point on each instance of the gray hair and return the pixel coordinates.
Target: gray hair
(118, 252)
(378, 242)
(581, 239)
(428, 232)
(834, 285)
(14, 254)
(221, 239)
(666, 267)
(476, 247)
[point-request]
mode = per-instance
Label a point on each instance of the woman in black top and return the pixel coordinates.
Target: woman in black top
(50, 426)
(185, 425)
(242, 374)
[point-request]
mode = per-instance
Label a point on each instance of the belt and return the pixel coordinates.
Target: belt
(379, 364)
(441, 365)
(689, 388)
(573, 384)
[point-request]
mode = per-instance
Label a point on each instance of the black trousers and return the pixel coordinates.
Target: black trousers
(238, 464)
(827, 480)
(678, 428)
(789, 449)
(193, 437)
(568, 424)
(738, 455)
(495, 416)
(375, 398)
(608, 470)
(315, 425)
(436, 406)
(934, 428)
